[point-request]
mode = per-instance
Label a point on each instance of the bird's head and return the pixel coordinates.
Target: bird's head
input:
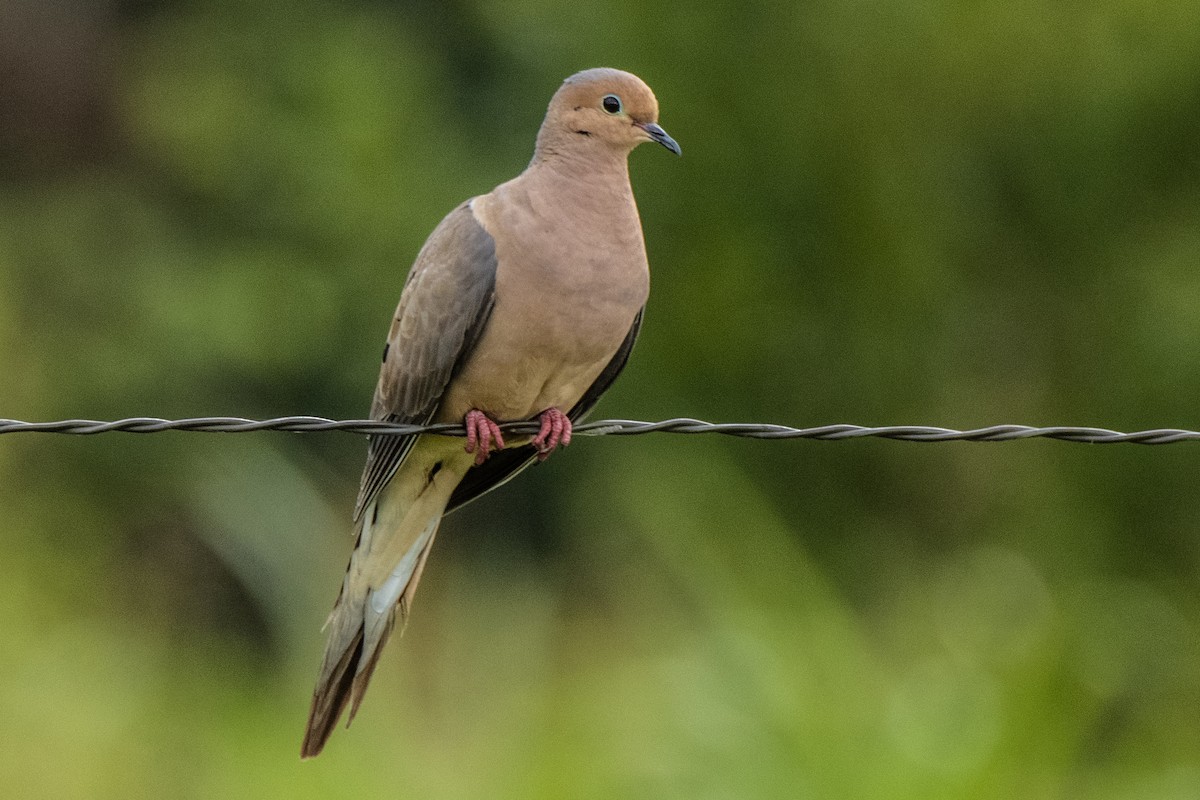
(605, 107)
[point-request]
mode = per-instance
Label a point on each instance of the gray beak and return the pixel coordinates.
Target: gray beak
(657, 134)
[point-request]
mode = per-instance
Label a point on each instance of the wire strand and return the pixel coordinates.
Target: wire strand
(612, 427)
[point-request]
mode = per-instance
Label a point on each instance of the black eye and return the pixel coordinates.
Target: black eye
(611, 103)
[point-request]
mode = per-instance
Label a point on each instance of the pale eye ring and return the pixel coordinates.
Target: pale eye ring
(611, 104)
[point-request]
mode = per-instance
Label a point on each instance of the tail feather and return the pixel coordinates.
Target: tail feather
(377, 638)
(356, 641)
(330, 698)
(358, 687)
(395, 535)
(345, 674)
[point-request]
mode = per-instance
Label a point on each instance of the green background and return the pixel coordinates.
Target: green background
(920, 212)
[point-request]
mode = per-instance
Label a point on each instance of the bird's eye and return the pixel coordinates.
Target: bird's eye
(611, 103)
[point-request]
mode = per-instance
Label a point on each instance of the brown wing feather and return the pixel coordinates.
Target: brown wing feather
(446, 302)
(504, 465)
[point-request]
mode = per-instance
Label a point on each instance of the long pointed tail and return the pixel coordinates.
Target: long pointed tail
(330, 697)
(394, 538)
(359, 628)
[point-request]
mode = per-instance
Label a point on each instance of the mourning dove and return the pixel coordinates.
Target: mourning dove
(523, 303)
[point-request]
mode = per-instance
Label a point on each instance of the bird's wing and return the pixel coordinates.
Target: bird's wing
(504, 465)
(447, 299)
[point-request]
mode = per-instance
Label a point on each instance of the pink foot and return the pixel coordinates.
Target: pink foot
(481, 433)
(555, 431)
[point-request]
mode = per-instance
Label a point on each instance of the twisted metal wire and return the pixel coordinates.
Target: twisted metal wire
(613, 427)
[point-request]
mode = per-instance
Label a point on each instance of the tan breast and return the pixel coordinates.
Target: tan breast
(572, 276)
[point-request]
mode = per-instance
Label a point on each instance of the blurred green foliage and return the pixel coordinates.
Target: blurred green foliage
(913, 212)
